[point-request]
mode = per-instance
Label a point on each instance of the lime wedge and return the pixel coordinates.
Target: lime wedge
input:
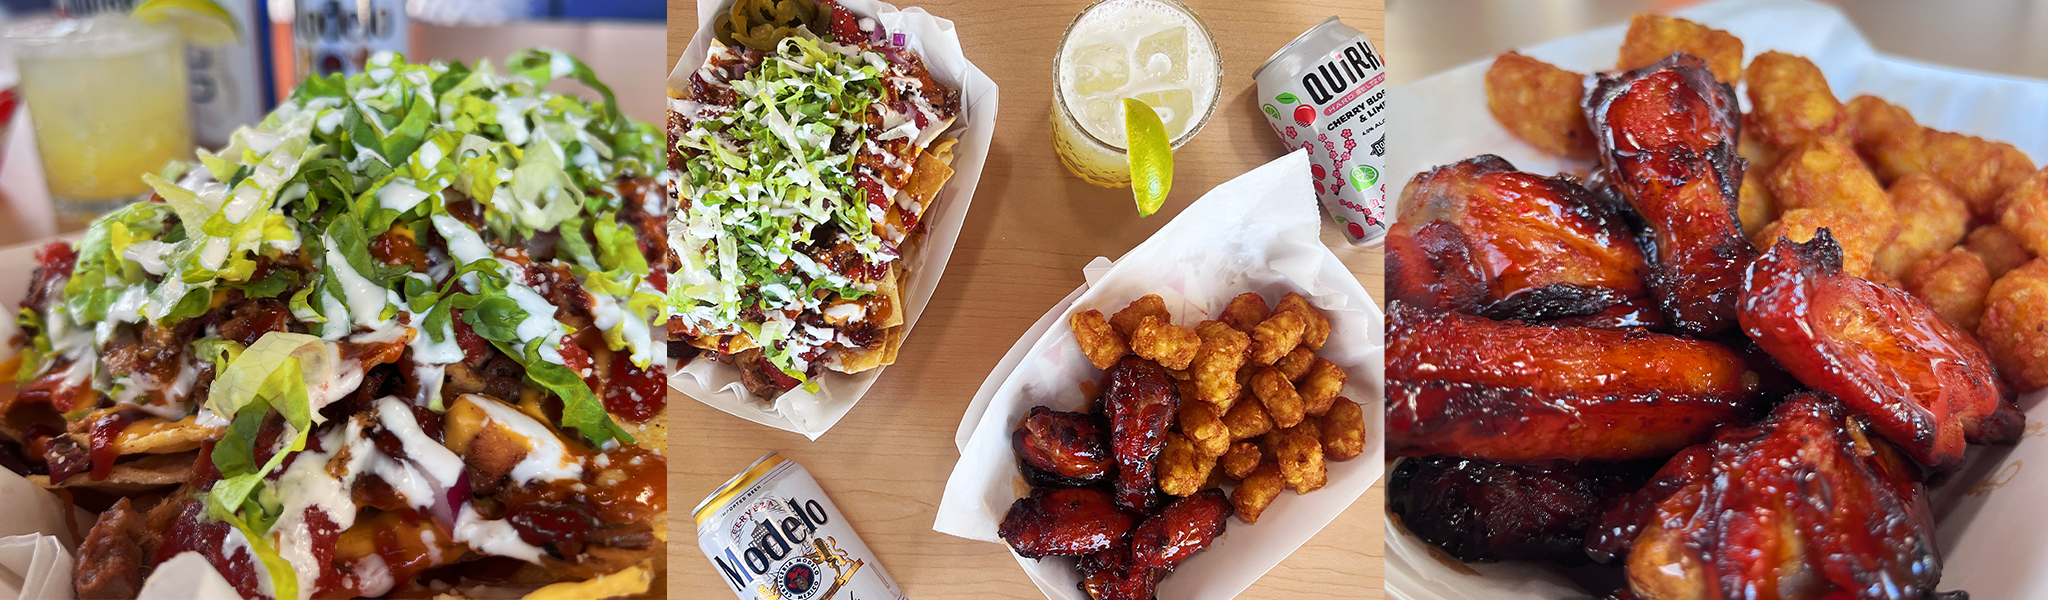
(201, 22)
(1151, 156)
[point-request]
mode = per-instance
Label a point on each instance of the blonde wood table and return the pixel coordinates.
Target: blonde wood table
(1031, 230)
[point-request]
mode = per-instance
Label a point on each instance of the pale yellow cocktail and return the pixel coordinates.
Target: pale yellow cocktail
(1157, 51)
(108, 99)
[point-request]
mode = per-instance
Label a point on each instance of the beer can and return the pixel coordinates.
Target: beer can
(1326, 92)
(771, 534)
(339, 36)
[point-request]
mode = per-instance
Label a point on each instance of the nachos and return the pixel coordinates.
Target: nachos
(801, 169)
(394, 339)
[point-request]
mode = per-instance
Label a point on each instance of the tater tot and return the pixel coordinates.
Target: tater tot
(1872, 120)
(1245, 311)
(1204, 428)
(1316, 327)
(1301, 460)
(1279, 397)
(2015, 327)
(1126, 321)
(1247, 420)
(1858, 248)
(1791, 101)
(1098, 340)
(1325, 381)
(1953, 283)
(1932, 218)
(1295, 365)
(1343, 430)
(1980, 170)
(2000, 249)
(1754, 205)
(1826, 173)
(1539, 103)
(1242, 459)
(1258, 490)
(1223, 352)
(2024, 212)
(1312, 428)
(1173, 346)
(1651, 38)
(1276, 337)
(1183, 469)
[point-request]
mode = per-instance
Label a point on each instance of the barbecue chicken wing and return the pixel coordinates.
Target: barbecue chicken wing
(1064, 522)
(1795, 508)
(1923, 384)
(1479, 510)
(1540, 248)
(1667, 135)
(1062, 449)
(1508, 391)
(1141, 402)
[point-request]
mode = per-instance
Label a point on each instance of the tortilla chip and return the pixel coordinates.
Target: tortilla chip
(855, 360)
(926, 179)
(158, 436)
(891, 287)
(143, 474)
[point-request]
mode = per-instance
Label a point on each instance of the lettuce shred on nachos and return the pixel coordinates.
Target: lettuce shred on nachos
(393, 339)
(802, 176)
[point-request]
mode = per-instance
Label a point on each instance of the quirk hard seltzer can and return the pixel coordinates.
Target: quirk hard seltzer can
(1326, 92)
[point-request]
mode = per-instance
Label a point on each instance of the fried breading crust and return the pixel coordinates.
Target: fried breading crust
(1790, 100)
(1652, 38)
(2015, 327)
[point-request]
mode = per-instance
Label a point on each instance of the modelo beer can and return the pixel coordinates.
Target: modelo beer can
(771, 533)
(1326, 92)
(339, 36)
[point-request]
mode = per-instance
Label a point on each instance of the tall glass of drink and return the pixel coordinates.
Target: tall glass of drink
(108, 98)
(1157, 51)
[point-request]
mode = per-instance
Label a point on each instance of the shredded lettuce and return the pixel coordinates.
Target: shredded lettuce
(778, 179)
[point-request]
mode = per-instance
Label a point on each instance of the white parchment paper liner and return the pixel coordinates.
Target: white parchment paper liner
(1443, 119)
(1255, 233)
(811, 414)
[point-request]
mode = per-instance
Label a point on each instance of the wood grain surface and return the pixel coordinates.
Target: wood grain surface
(1032, 227)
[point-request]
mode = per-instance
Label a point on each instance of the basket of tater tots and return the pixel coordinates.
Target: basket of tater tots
(1781, 330)
(1181, 423)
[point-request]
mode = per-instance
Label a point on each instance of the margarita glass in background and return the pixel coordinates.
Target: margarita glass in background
(108, 99)
(1157, 51)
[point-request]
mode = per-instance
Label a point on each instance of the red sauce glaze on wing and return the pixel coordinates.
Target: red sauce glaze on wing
(1064, 522)
(1924, 384)
(1667, 136)
(1508, 391)
(1142, 402)
(1542, 247)
(1790, 509)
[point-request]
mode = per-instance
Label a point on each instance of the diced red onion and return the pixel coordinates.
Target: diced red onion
(898, 40)
(879, 33)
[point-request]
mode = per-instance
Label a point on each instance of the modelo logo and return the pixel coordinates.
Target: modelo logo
(772, 542)
(1356, 64)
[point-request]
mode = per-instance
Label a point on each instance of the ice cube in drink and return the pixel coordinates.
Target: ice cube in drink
(1174, 107)
(1101, 68)
(1165, 56)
